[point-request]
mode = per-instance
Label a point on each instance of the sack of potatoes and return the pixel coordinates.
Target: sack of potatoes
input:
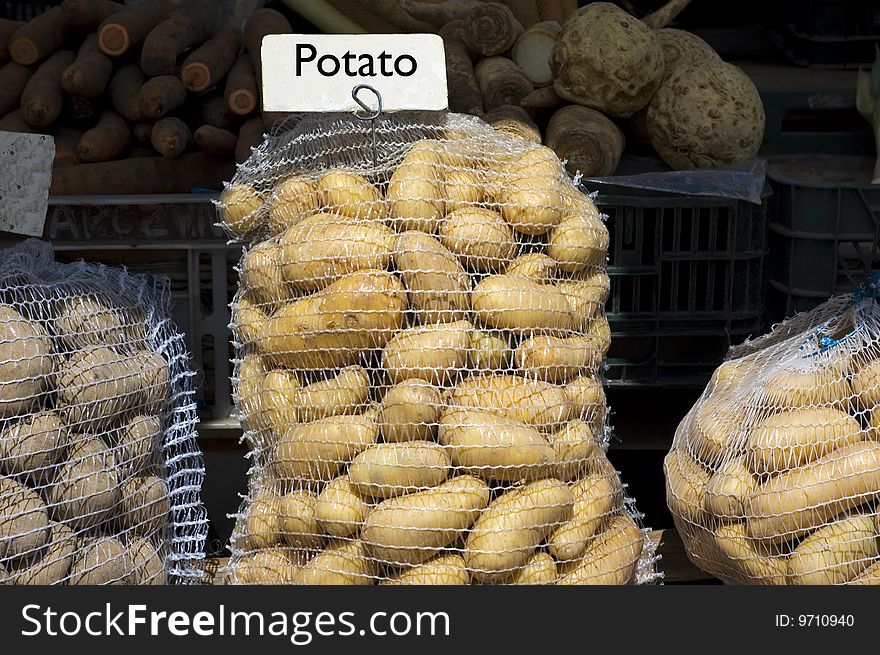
(99, 468)
(774, 475)
(420, 331)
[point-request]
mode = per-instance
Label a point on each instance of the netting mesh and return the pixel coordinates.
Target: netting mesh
(774, 475)
(419, 332)
(100, 473)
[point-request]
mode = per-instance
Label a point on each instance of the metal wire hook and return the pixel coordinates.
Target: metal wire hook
(371, 115)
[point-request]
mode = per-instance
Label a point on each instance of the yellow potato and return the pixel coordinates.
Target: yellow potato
(686, 482)
(533, 265)
(586, 398)
(586, 296)
(273, 566)
(261, 275)
(437, 285)
(748, 560)
(426, 152)
(575, 449)
(728, 488)
(791, 504)
(537, 162)
(322, 248)
(577, 242)
(788, 389)
(600, 331)
(719, 428)
(241, 209)
(793, 438)
(557, 359)
(298, 521)
(350, 194)
(86, 486)
(732, 372)
(532, 205)
(292, 199)
(24, 521)
(342, 563)
(463, 189)
(479, 237)
(870, 576)
(27, 362)
(392, 469)
(340, 510)
(415, 196)
(441, 570)
(347, 393)
(540, 568)
(506, 534)
(595, 497)
(247, 397)
(278, 400)
(835, 553)
(410, 411)
(533, 402)
(493, 447)
(488, 352)
(434, 353)
(866, 384)
(523, 306)
(611, 557)
(333, 327)
(262, 528)
(33, 445)
(411, 529)
(249, 319)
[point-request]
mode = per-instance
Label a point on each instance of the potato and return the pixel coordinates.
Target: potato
(262, 525)
(297, 520)
(532, 205)
(249, 320)
(611, 557)
(835, 553)
(339, 509)
(33, 445)
(147, 567)
(145, 506)
(540, 568)
(575, 449)
(793, 438)
(479, 237)
(89, 320)
(241, 210)
(595, 497)
(488, 352)
(463, 189)
(24, 521)
(533, 265)
(5, 579)
(413, 528)
(318, 451)
(586, 398)
(788, 389)
(262, 275)
(50, 565)
(686, 482)
(27, 362)
(322, 248)
(579, 241)
(586, 296)
(343, 563)
(137, 440)
(410, 411)
(101, 561)
(523, 306)
(870, 576)
(728, 488)
(250, 374)
(427, 152)
(557, 359)
(350, 194)
(86, 488)
(747, 558)
(866, 384)
(346, 393)
(273, 566)
(292, 199)
(506, 534)
(387, 470)
(606, 59)
(434, 353)
(333, 327)
(416, 197)
(731, 373)
(719, 427)
(493, 447)
(279, 401)
(154, 380)
(436, 283)
(533, 402)
(793, 503)
(705, 115)
(96, 386)
(441, 570)
(600, 331)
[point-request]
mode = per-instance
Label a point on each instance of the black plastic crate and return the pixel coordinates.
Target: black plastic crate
(687, 281)
(825, 223)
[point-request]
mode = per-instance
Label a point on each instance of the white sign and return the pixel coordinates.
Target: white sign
(317, 72)
(24, 181)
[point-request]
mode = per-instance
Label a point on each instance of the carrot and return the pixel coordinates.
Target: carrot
(215, 141)
(66, 142)
(249, 137)
(207, 65)
(90, 73)
(214, 111)
(80, 111)
(142, 131)
(128, 28)
(241, 87)
(39, 38)
(170, 136)
(14, 122)
(159, 95)
(261, 23)
(107, 140)
(125, 86)
(186, 26)
(88, 14)
(7, 29)
(13, 78)
(43, 98)
(143, 175)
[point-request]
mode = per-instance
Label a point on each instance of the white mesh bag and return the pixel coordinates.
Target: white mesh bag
(100, 473)
(774, 475)
(419, 340)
